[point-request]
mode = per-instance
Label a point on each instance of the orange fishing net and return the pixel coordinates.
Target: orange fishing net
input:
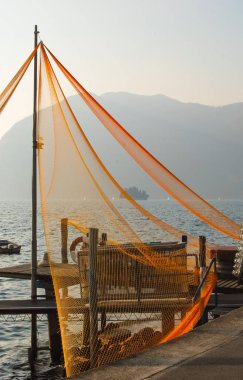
(123, 279)
(159, 173)
(11, 87)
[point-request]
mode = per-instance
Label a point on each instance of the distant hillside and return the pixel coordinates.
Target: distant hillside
(200, 144)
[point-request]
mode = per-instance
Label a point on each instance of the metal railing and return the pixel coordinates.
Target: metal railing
(204, 278)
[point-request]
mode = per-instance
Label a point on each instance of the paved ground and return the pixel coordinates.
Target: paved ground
(223, 363)
(211, 352)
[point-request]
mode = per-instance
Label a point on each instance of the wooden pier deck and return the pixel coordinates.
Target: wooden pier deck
(35, 307)
(229, 286)
(230, 297)
(23, 271)
(27, 306)
(230, 292)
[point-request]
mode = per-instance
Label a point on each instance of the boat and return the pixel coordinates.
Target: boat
(9, 247)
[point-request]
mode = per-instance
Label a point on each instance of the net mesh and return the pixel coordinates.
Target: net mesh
(12, 85)
(159, 173)
(122, 280)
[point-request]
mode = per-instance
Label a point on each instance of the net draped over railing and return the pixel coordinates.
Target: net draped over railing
(127, 282)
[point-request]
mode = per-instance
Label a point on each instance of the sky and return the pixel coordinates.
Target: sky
(190, 50)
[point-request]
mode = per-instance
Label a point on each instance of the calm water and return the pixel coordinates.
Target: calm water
(15, 222)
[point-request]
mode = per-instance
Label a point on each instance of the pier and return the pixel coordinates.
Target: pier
(230, 297)
(35, 307)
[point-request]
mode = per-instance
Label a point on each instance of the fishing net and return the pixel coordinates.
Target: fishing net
(12, 85)
(159, 173)
(123, 279)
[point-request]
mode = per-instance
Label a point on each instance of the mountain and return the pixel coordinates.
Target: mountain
(202, 145)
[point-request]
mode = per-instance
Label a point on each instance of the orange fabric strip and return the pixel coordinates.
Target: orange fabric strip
(11, 87)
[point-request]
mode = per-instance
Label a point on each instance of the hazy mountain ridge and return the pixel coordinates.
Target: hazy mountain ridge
(200, 144)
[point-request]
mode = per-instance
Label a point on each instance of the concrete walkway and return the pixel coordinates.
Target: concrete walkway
(210, 352)
(223, 362)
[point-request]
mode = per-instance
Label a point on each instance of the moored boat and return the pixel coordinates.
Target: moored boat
(9, 247)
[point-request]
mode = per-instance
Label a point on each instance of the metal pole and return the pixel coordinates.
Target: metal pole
(34, 209)
(93, 297)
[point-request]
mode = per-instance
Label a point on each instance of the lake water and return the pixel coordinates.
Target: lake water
(15, 225)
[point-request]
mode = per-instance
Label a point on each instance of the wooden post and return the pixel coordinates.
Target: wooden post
(104, 237)
(184, 239)
(34, 211)
(83, 262)
(138, 281)
(202, 255)
(55, 341)
(64, 237)
(202, 265)
(64, 249)
(93, 298)
(168, 321)
(103, 320)
(86, 329)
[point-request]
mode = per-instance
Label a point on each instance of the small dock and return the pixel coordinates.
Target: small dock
(23, 272)
(230, 297)
(229, 286)
(34, 307)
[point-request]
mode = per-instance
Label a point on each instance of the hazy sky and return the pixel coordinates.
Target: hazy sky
(191, 50)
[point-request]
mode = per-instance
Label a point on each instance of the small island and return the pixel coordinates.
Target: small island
(136, 193)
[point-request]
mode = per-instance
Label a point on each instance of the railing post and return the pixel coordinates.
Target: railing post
(202, 255)
(216, 288)
(202, 265)
(93, 297)
(184, 239)
(64, 238)
(64, 249)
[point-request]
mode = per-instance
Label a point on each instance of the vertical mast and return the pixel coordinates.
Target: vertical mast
(34, 207)
(34, 179)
